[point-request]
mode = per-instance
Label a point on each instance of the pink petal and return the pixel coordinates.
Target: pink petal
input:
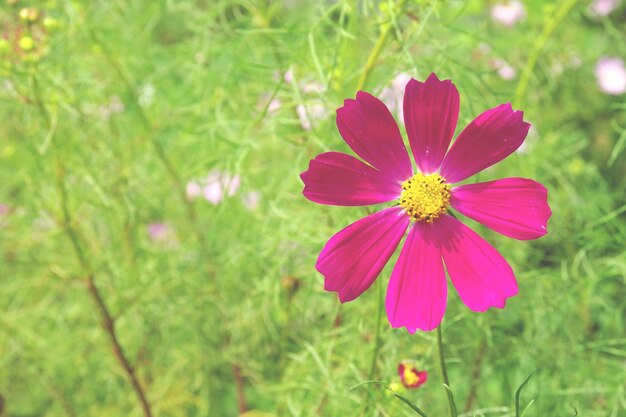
(342, 180)
(431, 110)
(417, 291)
(481, 276)
(369, 129)
(353, 258)
(515, 207)
(422, 376)
(491, 137)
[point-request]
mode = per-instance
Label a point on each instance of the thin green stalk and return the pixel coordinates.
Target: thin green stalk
(378, 47)
(444, 372)
(158, 148)
(378, 342)
(108, 322)
(540, 42)
(107, 319)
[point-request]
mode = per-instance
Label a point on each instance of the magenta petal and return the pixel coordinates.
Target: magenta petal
(353, 258)
(481, 276)
(342, 180)
(369, 129)
(488, 139)
(417, 291)
(515, 207)
(431, 110)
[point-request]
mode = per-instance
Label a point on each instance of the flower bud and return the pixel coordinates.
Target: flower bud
(26, 43)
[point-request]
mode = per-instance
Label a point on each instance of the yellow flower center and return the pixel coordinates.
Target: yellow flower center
(410, 377)
(425, 197)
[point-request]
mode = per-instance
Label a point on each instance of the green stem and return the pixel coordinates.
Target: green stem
(378, 47)
(540, 42)
(444, 372)
(379, 315)
(158, 148)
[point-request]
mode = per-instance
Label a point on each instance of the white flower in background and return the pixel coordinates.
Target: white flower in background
(251, 200)
(484, 48)
(575, 61)
(114, 106)
(313, 112)
(214, 187)
(603, 8)
(313, 87)
(611, 75)
(7, 86)
(146, 95)
(508, 13)
(393, 96)
(503, 68)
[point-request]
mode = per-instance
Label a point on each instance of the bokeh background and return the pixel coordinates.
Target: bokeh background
(149, 161)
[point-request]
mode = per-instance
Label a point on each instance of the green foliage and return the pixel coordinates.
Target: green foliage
(119, 104)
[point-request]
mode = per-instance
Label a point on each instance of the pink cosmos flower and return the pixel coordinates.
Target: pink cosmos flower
(508, 13)
(214, 187)
(603, 8)
(503, 68)
(611, 75)
(309, 115)
(251, 200)
(409, 375)
(163, 234)
(417, 291)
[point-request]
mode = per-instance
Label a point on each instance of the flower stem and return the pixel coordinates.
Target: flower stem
(378, 47)
(379, 315)
(444, 372)
(540, 42)
(108, 322)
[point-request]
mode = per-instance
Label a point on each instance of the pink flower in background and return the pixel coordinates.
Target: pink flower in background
(611, 75)
(504, 70)
(312, 87)
(214, 187)
(193, 190)
(251, 200)
(273, 106)
(603, 8)
(393, 95)
(310, 114)
(410, 376)
(4, 211)
(508, 13)
(158, 231)
(161, 233)
(417, 291)
(288, 76)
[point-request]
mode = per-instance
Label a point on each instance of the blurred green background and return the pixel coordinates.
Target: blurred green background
(149, 161)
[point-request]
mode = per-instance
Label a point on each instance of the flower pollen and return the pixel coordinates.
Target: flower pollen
(425, 197)
(410, 376)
